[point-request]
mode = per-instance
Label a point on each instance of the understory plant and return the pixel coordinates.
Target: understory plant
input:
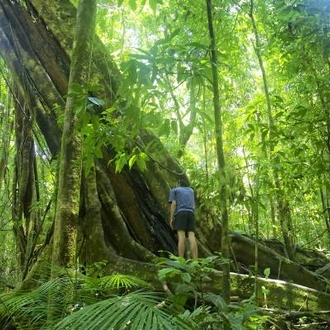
(121, 302)
(190, 281)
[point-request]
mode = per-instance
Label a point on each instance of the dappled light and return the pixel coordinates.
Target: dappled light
(106, 107)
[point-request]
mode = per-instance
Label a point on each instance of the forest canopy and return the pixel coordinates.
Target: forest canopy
(105, 105)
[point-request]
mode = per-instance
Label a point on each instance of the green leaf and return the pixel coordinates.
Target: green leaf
(217, 301)
(267, 272)
(121, 161)
(132, 4)
(98, 152)
(118, 281)
(186, 278)
(180, 300)
(132, 161)
(141, 161)
(206, 117)
(76, 89)
(174, 126)
(80, 108)
(164, 129)
(136, 308)
(168, 39)
(153, 4)
(300, 111)
(165, 273)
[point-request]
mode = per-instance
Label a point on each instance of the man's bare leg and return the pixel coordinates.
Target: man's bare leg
(181, 242)
(193, 244)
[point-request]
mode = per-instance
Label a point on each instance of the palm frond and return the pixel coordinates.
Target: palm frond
(135, 310)
(110, 282)
(118, 281)
(61, 296)
(30, 308)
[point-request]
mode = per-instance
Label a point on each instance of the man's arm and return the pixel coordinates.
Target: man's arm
(172, 211)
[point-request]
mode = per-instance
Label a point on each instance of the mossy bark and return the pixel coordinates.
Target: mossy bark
(68, 198)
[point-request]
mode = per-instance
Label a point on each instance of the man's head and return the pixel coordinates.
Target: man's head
(183, 182)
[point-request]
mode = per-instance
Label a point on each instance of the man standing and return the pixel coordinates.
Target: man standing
(182, 217)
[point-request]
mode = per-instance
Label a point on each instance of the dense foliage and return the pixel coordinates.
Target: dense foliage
(162, 49)
(273, 67)
(124, 302)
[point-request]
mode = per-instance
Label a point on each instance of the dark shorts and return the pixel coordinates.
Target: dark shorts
(184, 220)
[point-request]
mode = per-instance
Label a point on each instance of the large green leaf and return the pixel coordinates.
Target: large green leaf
(136, 310)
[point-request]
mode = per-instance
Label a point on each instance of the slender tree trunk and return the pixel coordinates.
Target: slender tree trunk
(187, 130)
(325, 186)
(324, 192)
(6, 124)
(220, 155)
(20, 181)
(205, 141)
(254, 188)
(284, 212)
(68, 198)
(25, 213)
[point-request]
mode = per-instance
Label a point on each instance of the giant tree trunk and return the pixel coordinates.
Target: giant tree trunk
(133, 205)
(123, 216)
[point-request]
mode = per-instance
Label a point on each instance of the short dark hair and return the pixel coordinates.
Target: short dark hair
(183, 182)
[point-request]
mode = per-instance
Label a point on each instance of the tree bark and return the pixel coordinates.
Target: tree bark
(27, 222)
(220, 154)
(68, 198)
(280, 267)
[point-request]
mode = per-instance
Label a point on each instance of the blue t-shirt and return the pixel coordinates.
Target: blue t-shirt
(184, 197)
